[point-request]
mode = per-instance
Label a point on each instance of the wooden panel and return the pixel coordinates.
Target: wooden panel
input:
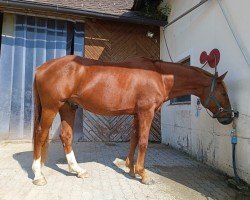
(148, 47)
(114, 42)
(123, 42)
(103, 128)
(114, 129)
(97, 41)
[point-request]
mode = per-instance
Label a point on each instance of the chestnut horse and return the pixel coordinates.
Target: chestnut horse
(138, 87)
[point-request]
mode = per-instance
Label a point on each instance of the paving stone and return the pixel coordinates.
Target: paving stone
(176, 175)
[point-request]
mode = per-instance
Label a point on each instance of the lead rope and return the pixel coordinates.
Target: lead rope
(209, 113)
(167, 45)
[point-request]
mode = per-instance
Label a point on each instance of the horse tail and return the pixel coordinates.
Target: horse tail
(37, 128)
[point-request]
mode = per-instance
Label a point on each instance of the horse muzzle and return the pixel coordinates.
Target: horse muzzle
(225, 120)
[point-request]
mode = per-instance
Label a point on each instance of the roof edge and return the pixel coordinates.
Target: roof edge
(93, 14)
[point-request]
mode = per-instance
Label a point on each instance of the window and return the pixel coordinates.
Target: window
(183, 99)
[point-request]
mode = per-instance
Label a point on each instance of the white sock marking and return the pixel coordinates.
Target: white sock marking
(37, 168)
(73, 165)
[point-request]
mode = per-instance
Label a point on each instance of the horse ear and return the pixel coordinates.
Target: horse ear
(220, 78)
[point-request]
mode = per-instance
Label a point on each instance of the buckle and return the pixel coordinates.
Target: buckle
(235, 114)
(221, 109)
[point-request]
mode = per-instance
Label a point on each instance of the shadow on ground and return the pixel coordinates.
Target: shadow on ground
(166, 165)
(83, 155)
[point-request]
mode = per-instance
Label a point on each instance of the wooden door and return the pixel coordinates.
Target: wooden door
(114, 42)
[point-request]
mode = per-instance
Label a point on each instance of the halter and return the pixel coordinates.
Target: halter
(212, 97)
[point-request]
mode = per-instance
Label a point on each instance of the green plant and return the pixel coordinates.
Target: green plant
(165, 10)
(152, 9)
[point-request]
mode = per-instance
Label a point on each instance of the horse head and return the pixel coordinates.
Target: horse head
(215, 99)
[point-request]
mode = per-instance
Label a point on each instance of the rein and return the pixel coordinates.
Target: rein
(212, 97)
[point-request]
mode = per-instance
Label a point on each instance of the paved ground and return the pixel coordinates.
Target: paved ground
(176, 175)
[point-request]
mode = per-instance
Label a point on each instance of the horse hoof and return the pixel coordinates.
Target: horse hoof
(148, 181)
(127, 162)
(40, 182)
(131, 173)
(83, 175)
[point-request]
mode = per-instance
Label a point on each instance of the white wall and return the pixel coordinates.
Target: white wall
(205, 29)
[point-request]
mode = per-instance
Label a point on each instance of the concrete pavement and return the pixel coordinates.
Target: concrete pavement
(177, 176)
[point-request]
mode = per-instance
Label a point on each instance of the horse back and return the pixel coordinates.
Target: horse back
(103, 88)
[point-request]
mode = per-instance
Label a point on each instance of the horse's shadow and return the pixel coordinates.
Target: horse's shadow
(57, 157)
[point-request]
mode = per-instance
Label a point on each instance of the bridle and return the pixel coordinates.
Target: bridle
(212, 97)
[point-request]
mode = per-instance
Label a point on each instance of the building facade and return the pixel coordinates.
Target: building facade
(186, 127)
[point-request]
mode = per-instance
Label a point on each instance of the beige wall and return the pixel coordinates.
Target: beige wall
(205, 29)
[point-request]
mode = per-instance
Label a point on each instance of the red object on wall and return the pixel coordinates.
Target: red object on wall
(213, 58)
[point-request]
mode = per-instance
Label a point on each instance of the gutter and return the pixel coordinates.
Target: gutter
(61, 9)
(185, 13)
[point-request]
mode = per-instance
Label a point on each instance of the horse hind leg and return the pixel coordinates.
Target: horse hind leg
(67, 114)
(41, 136)
(133, 144)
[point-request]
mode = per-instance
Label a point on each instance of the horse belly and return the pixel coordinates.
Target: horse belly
(108, 98)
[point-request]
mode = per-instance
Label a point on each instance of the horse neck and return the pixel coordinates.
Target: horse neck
(188, 80)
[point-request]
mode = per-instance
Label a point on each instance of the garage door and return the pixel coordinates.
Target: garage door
(28, 42)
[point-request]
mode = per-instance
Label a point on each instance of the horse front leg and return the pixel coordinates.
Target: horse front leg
(133, 143)
(67, 115)
(145, 119)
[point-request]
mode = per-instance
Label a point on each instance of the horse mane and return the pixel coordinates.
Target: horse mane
(202, 70)
(162, 68)
(159, 66)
